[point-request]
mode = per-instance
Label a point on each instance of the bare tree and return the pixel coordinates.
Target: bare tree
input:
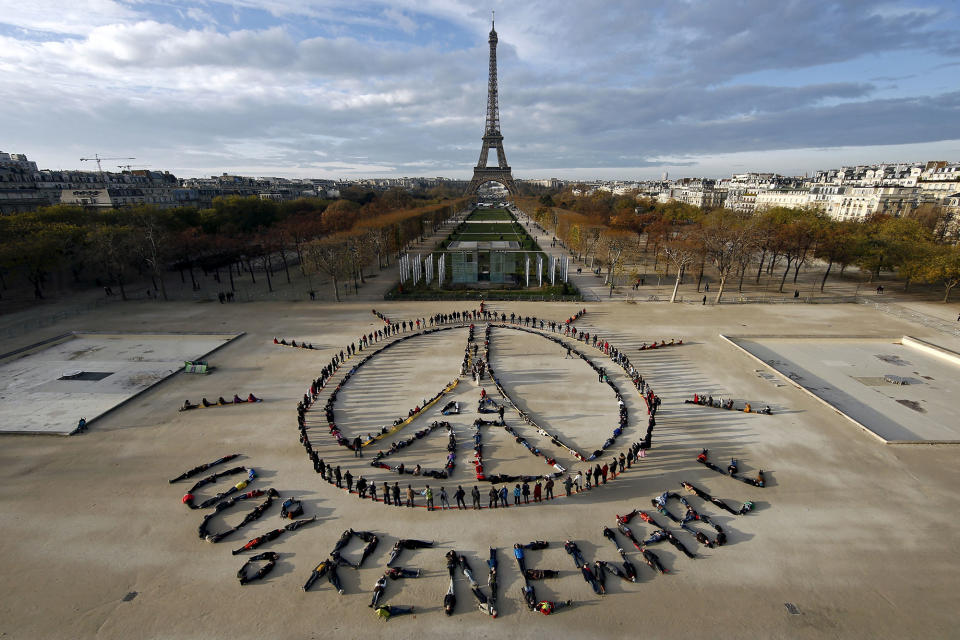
(681, 250)
(330, 256)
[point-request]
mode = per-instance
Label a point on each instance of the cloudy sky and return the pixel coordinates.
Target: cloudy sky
(616, 89)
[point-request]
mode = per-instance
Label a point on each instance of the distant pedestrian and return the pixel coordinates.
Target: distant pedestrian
(704, 300)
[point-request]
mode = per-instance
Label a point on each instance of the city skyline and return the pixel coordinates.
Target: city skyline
(327, 90)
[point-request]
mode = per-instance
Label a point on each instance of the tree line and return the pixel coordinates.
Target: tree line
(611, 230)
(335, 238)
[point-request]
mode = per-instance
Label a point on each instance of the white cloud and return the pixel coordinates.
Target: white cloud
(627, 86)
(75, 17)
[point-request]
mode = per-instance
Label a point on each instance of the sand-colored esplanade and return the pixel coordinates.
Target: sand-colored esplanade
(850, 535)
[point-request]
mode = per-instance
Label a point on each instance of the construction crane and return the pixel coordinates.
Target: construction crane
(96, 158)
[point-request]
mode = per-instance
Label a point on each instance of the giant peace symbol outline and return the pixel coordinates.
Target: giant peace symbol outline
(394, 333)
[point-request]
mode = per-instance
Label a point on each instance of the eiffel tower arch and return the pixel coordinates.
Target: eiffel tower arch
(492, 138)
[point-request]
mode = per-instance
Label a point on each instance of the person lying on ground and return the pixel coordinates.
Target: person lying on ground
(395, 573)
(378, 590)
(529, 596)
(540, 574)
(610, 535)
(571, 547)
(272, 535)
(450, 599)
(546, 607)
(629, 569)
(467, 570)
(203, 467)
(653, 560)
(655, 537)
(386, 611)
(270, 557)
(672, 539)
(318, 572)
(600, 574)
(625, 530)
(343, 541)
(340, 561)
(591, 579)
(368, 549)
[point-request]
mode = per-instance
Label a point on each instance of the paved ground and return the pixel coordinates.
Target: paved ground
(849, 374)
(49, 389)
(857, 536)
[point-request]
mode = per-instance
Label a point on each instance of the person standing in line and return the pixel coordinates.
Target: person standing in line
(410, 498)
(494, 497)
(444, 501)
(459, 494)
(475, 494)
(339, 477)
(568, 485)
(537, 491)
(549, 488)
(604, 470)
(504, 493)
(349, 478)
(525, 491)
(428, 492)
(516, 495)
(386, 493)
(396, 494)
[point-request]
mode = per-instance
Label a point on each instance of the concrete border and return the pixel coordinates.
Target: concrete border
(931, 349)
(731, 339)
(35, 347)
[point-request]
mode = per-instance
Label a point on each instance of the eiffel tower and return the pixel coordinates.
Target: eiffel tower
(492, 138)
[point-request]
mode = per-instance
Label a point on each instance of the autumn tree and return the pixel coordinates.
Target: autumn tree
(725, 236)
(837, 244)
(940, 265)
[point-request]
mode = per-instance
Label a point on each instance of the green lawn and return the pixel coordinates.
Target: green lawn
(490, 214)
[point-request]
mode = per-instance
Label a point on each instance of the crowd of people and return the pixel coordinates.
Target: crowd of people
(705, 400)
(221, 402)
(732, 470)
(399, 445)
(293, 343)
(594, 476)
